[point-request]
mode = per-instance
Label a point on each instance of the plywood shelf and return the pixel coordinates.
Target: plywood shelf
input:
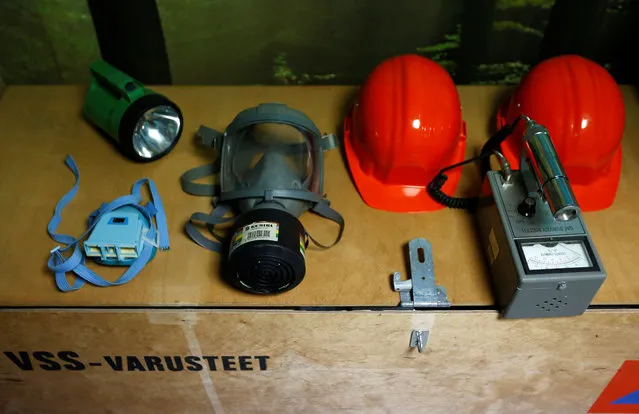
(41, 124)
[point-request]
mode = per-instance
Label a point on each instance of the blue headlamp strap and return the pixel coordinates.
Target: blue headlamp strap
(76, 262)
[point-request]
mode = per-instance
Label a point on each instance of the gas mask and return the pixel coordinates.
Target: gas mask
(271, 172)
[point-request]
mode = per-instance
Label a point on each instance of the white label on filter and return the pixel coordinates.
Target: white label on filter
(258, 231)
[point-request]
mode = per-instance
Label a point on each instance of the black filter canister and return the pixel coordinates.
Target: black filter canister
(266, 252)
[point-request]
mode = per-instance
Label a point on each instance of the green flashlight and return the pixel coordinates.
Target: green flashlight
(145, 125)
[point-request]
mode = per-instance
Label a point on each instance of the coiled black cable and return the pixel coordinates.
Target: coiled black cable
(434, 188)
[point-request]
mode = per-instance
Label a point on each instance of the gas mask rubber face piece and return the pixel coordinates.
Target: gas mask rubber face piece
(271, 173)
(270, 156)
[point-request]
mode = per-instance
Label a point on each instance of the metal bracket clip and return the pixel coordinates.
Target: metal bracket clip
(419, 339)
(420, 291)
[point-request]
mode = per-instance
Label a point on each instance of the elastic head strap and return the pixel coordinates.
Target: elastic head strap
(324, 209)
(187, 180)
(214, 218)
(328, 142)
(212, 139)
(209, 137)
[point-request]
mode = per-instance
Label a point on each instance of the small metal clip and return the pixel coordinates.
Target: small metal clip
(419, 339)
(420, 291)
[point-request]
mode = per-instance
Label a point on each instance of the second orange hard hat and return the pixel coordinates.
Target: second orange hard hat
(404, 127)
(581, 106)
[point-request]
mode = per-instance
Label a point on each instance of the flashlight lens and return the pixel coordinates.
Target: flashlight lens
(156, 131)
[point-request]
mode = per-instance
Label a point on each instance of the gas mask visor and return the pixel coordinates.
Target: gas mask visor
(271, 172)
(261, 161)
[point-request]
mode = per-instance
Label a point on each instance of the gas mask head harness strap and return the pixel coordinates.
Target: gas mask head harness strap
(270, 159)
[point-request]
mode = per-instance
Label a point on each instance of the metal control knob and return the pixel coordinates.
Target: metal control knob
(527, 207)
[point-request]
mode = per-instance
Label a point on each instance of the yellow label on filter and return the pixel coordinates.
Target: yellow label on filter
(302, 246)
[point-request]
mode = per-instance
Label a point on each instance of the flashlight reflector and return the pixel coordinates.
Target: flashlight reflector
(156, 131)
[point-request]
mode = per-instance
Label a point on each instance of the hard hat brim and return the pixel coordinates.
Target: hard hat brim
(398, 198)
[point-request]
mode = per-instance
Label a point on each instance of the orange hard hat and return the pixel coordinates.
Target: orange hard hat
(405, 126)
(581, 106)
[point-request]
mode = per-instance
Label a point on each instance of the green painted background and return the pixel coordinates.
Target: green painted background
(46, 41)
(283, 41)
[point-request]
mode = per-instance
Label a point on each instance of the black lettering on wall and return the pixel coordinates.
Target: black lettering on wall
(153, 363)
(228, 362)
(48, 363)
(73, 363)
(193, 363)
(134, 364)
(245, 363)
(115, 363)
(262, 359)
(211, 361)
(174, 363)
(22, 360)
